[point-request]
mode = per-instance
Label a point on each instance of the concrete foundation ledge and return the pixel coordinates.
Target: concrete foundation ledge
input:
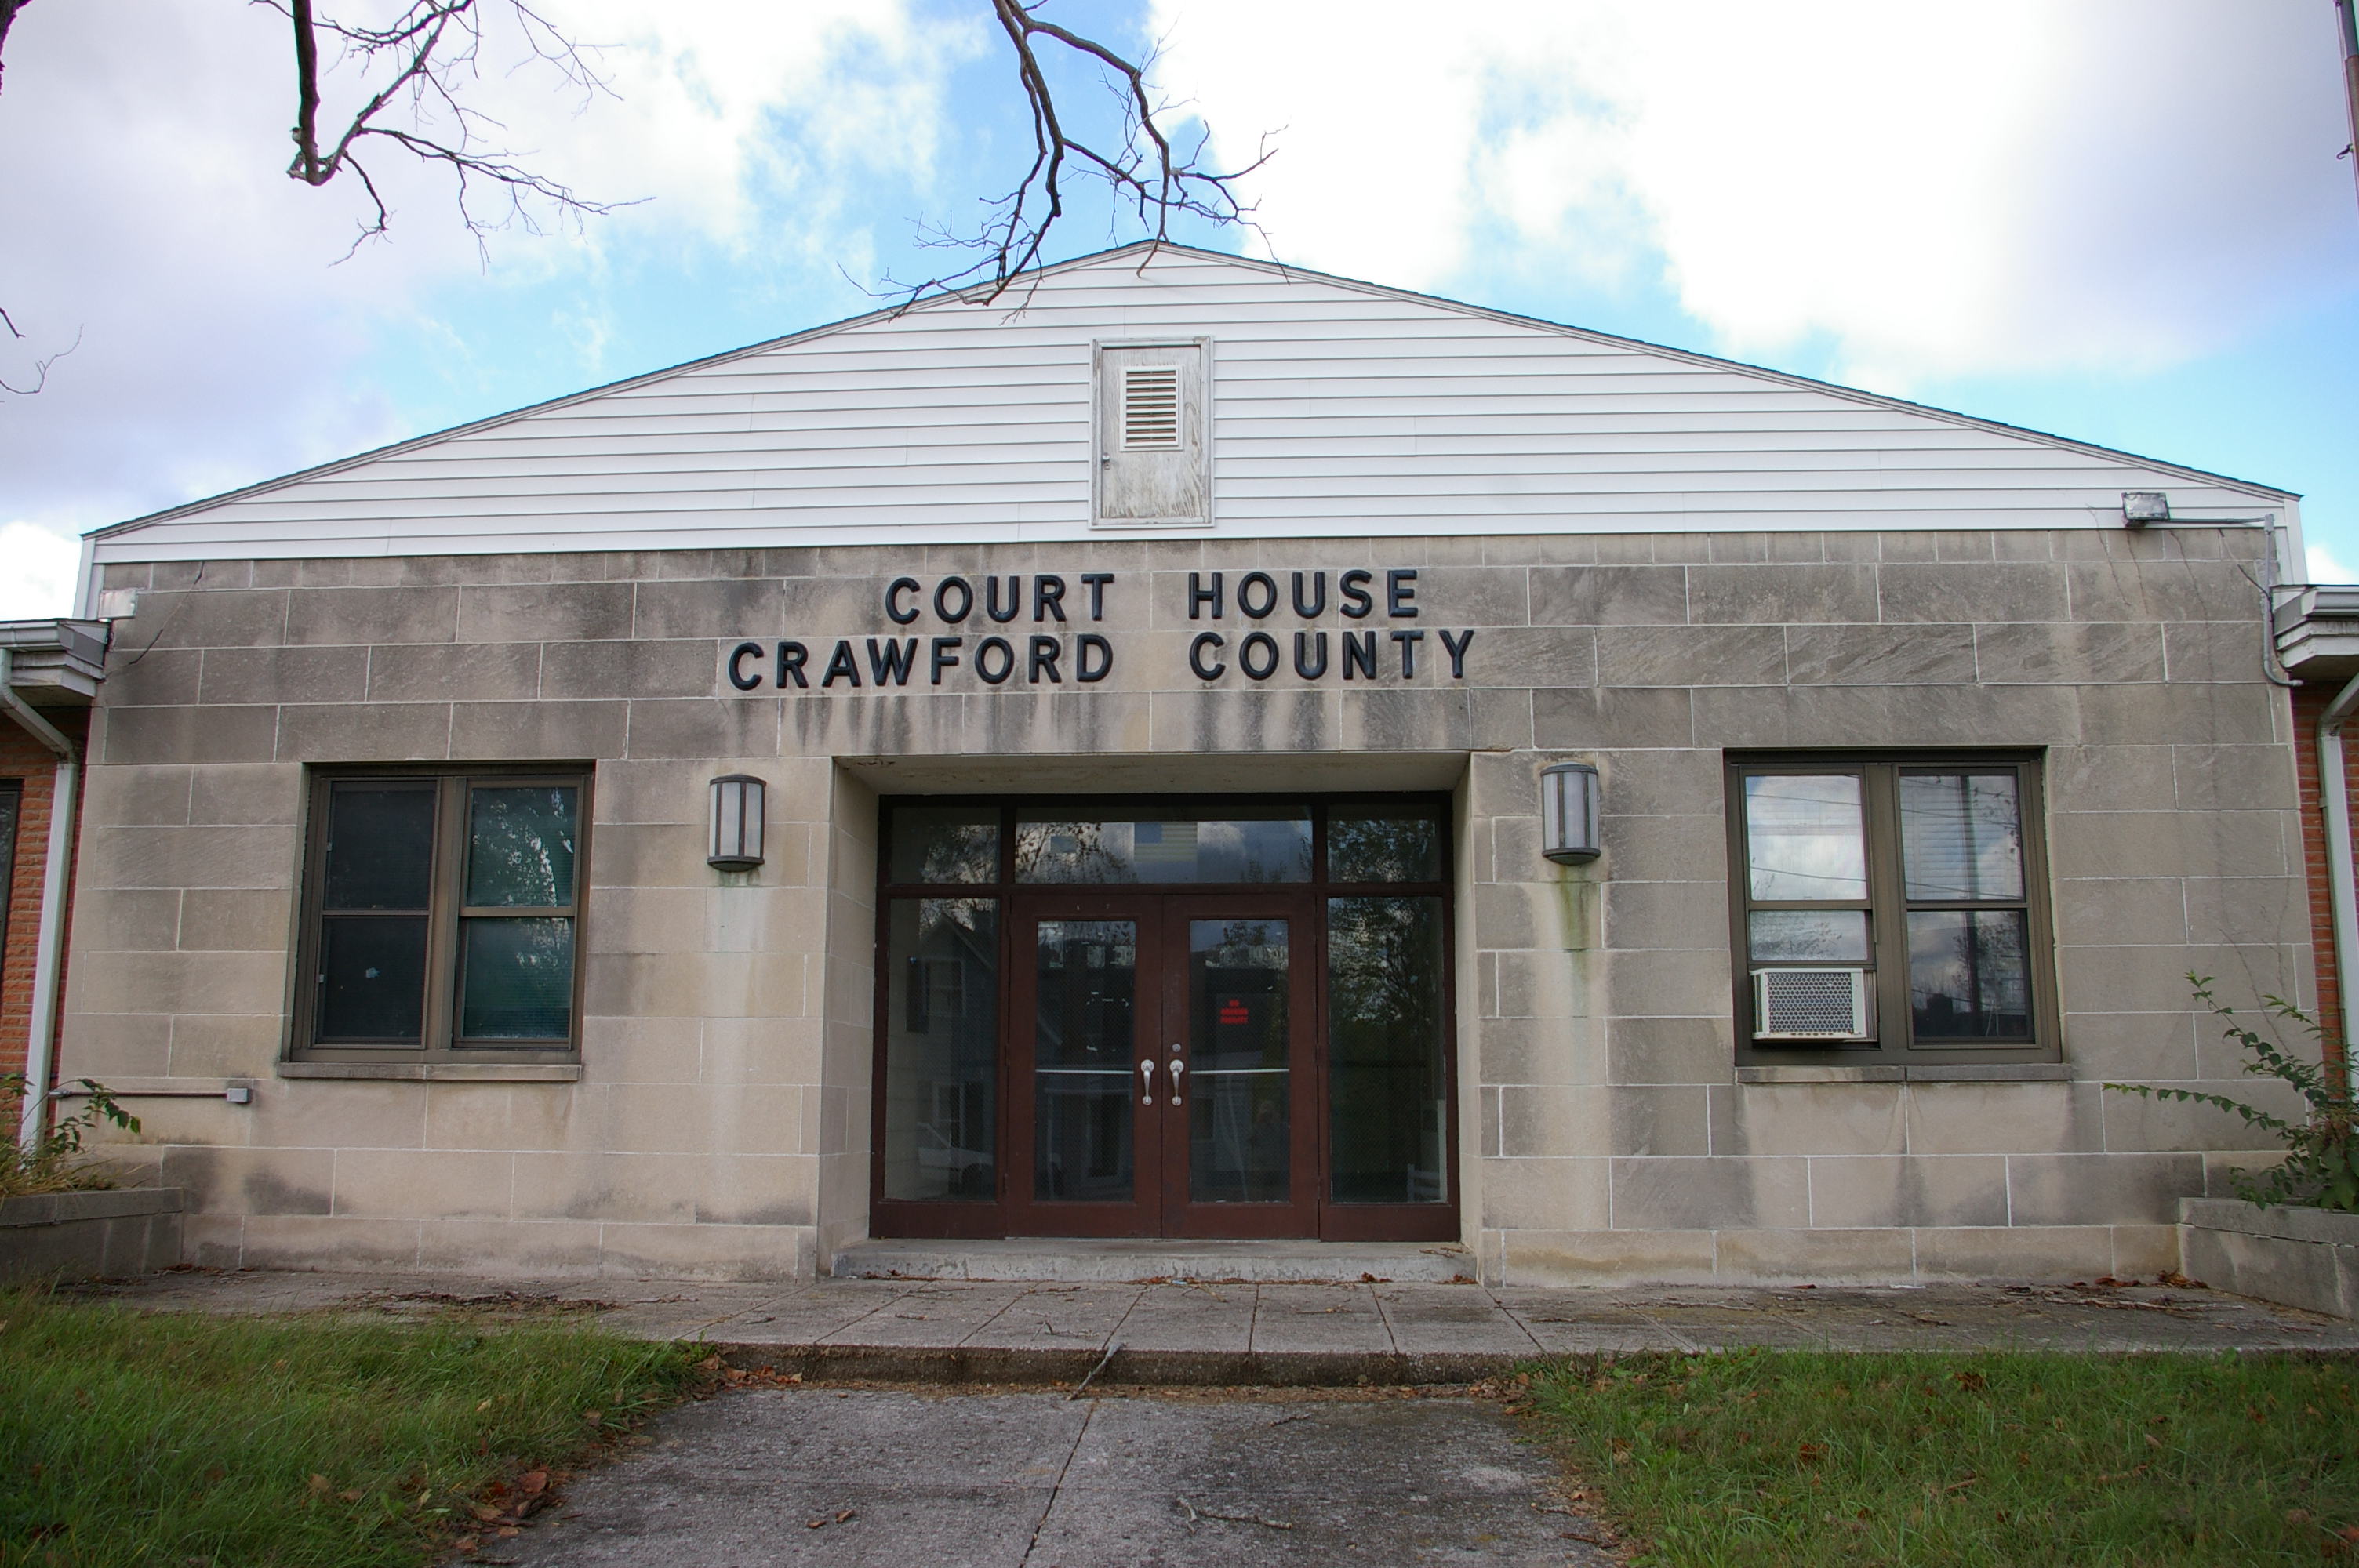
(89, 1236)
(2297, 1257)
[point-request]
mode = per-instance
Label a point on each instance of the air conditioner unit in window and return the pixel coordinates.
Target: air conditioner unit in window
(1810, 1005)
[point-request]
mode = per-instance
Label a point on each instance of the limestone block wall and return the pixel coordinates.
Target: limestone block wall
(718, 1120)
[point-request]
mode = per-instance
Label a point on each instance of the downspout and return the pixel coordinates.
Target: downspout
(49, 951)
(2343, 896)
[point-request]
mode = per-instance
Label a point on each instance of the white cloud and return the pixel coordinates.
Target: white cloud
(2112, 185)
(2325, 567)
(139, 173)
(36, 572)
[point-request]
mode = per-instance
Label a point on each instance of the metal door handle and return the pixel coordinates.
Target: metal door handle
(1146, 1083)
(1177, 1068)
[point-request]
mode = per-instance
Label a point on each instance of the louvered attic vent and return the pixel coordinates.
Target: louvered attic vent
(1151, 408)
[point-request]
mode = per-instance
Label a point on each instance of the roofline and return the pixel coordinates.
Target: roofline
(986, 293)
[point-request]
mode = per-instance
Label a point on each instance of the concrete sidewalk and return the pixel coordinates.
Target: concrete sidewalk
(1226, 1333)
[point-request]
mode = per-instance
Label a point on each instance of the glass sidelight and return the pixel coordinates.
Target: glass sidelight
(941, 1053)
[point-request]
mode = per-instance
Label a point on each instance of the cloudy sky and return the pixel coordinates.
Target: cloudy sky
(2120, 220)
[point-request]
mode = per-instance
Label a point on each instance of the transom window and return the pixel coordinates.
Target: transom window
(441, 915)
(1893, 904)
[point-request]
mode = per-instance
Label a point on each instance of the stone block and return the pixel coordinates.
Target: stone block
(633, 669)
(2070, 652)
(1692, 916)
(609, 1188)
(1760, 595)
(247, 794)
(454, 672)
(253, 1181)
(283, 675)
(1581, 719)
(2162, 590)
(1547, 1194)
(1679, 984)
(364, 732)
(328, 1242)
(1817, 1118)
(544, 612)
(226, 1045)
(190, 857)
(2003, 1118)
(710, 1251)
(208, 618)
(1959, 592)
(2041, 1254)
(185, 982)
(1689, 657)
(2235, 911)
(523, 1249)
(2100, 1189)
(533, 731)
(1609, 596)
(1664, 849)
(1715, 1194)
(1568, 1257)
(153, 735)
(1668, 1050)
(373, 615)
(1874, 1190)
(111, 920)
(236, 919)
(2178, 714)
(2110, 778)
(2210, 777)
(422, 1183)
(729, 609)
(705, 730)
(1816, 1256)
(1879, 655)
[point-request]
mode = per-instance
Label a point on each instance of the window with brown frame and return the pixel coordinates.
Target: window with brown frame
(441, 916)
(1892, 903)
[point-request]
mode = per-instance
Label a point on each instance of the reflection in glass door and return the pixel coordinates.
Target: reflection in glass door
(1237, 1067)
(1085, 990)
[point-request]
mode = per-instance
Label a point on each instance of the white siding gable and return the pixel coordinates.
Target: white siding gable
(1337, 409)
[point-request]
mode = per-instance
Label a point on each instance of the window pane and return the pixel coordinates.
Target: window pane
(373, 978)
(1802, 836)
(380, 846)
(945, 844)
(942, 1048)
(1085, 975)
(517, 980)
(1388, 1104)
(520, 842)
(1151, 845)
(1969, 975)
(1239, 1106)
(1372, 845)
(1962, 836)
(1810, 936)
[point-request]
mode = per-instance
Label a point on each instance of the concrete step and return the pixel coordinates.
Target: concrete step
(1071, 1261)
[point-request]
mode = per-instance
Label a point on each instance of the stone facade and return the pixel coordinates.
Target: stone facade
(718, 1122)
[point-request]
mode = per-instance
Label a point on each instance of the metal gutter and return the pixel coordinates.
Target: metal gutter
(49, 951)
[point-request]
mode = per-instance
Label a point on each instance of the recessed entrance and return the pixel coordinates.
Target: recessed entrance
(1206, 1019)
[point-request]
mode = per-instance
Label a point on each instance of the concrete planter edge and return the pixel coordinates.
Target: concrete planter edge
(2305, 1258)
(89, 1236)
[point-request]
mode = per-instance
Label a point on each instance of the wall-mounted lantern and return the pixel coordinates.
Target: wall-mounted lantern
(735, 841)
(1568, 800)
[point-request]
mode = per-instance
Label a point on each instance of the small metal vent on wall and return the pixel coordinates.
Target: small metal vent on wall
(1151, 408)
(1810, 1005)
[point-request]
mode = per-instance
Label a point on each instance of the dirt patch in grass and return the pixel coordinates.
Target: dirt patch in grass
(191, 1441)
(2002, 1459)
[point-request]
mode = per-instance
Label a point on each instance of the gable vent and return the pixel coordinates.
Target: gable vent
(1151, 408)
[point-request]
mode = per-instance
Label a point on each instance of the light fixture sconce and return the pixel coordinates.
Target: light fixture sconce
(1568, 801)
(735, 841)
(2141, 507)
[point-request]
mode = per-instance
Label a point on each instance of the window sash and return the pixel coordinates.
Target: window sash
(1889, 964)
(447, 922)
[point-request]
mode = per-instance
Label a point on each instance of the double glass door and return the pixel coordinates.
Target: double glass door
(1222, 1016)
(1162, 1065)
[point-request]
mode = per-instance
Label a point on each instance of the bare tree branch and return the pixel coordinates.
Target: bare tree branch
(40, 366)
(8, 10)
(1154, 182)
(433, 47)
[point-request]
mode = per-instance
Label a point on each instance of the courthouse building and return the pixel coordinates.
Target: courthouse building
(1193, 750)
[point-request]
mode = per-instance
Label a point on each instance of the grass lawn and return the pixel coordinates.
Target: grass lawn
(1795, 1458)
(182, 1440)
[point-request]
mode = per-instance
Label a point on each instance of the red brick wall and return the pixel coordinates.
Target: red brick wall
(26, 759)
(2308, 702)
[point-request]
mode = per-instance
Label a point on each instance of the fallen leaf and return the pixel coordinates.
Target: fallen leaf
(533, 1482)
(482, 1407)
(350, 1496)
(1972, 1382)
(319, 1483)
(814, 1524)
(846, 1514)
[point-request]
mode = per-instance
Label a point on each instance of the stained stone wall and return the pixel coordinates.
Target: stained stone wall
(718, 1120)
